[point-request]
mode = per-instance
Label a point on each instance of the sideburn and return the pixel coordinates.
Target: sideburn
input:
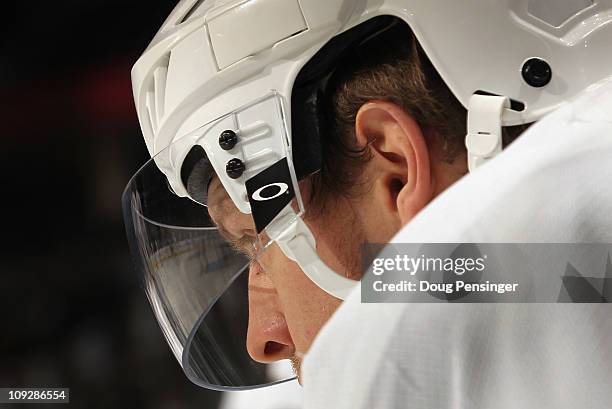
(335, 216)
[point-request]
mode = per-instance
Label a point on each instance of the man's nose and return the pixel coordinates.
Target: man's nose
(268, 337)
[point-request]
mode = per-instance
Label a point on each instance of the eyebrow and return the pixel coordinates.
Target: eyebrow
(242, 244)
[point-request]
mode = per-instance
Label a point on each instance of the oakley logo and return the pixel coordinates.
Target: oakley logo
(269, 192)
(263, 193)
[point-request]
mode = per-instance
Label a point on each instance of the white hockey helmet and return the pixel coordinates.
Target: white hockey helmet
(226, 87)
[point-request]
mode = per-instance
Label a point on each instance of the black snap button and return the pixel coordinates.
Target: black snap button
(234, 168)
(228, 139)
(536, 72)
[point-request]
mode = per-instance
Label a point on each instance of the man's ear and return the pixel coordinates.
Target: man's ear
(400, 157)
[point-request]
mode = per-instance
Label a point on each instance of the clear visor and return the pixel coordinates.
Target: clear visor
(196, 282)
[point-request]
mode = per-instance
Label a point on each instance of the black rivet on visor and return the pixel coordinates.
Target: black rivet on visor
(536, 72)
(234, 168)
(228, 139)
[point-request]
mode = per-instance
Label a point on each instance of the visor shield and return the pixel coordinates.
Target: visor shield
(196, 282)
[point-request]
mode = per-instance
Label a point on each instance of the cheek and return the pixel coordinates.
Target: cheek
(305, 306)
(339, 241)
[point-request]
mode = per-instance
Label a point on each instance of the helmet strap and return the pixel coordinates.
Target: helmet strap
(297, 242)
(484, 128)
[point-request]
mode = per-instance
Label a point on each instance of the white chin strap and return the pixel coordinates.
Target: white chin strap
(484, 128)
(297, 242)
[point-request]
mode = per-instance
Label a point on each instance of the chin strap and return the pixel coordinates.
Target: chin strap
(484, 128)
(297, 242)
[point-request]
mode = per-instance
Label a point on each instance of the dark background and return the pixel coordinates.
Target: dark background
(72, 314)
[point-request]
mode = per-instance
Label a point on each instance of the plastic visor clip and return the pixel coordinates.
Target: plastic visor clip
(484, 128)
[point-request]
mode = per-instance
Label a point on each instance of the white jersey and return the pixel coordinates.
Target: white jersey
(554, 184)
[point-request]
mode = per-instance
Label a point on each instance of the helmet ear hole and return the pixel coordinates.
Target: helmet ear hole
(196, 173)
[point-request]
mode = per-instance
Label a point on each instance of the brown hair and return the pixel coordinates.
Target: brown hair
(391, 67)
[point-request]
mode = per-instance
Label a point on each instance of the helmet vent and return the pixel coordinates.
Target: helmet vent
(156, 94)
